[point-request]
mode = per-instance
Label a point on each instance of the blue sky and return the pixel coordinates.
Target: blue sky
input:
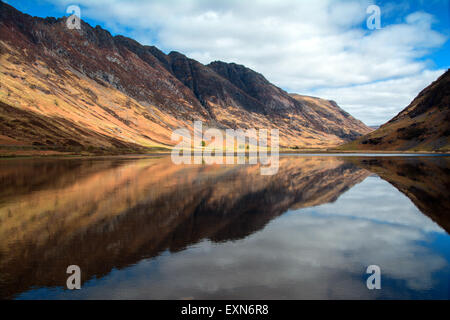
(321, 48)
(441, 12)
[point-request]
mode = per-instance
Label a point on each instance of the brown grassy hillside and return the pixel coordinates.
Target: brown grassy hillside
(67, 90)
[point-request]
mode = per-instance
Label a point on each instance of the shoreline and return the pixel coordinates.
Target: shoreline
(73, 155)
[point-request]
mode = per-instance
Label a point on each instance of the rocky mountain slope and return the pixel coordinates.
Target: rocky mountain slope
(333, 117)
(63, 89)
(422, 126)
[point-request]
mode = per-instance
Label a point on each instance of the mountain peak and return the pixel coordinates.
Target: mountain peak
(117, 93)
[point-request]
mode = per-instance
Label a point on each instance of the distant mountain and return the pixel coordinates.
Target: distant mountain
(424, 125)
(333, 118)
(86, 90)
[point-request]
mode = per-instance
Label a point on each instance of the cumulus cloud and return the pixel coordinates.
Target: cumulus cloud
(377, 102)
(317, 47)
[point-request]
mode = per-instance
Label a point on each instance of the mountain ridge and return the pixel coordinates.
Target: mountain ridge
(136, 94)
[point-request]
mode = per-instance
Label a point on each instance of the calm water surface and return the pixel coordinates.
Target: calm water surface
(143, 228)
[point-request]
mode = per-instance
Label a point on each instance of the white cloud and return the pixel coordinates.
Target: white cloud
(303, 46)
(378, 102)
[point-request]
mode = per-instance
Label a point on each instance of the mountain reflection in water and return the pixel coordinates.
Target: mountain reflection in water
(145, 228)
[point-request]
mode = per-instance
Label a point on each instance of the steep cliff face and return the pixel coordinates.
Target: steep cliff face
(424, 125)
(120, 95)
(268, 97)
